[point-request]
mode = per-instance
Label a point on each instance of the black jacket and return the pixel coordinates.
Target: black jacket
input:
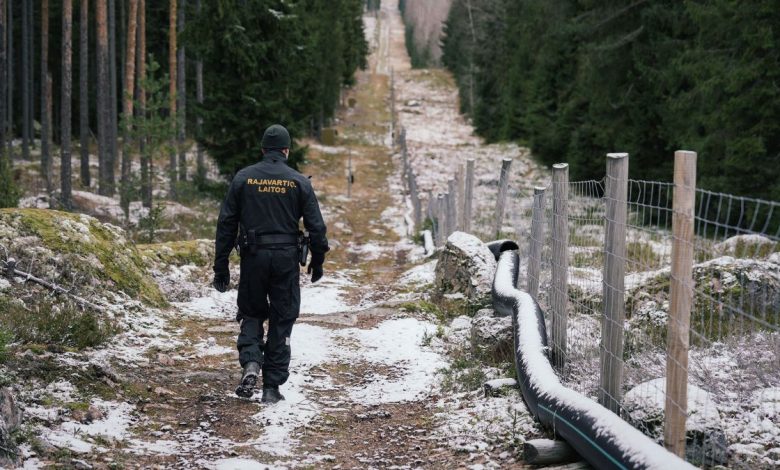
(269, 197)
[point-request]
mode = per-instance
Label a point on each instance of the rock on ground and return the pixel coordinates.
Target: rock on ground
(466, 266)
(10, 419)
(707, 445)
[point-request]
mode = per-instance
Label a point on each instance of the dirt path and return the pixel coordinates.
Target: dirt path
(363, 391)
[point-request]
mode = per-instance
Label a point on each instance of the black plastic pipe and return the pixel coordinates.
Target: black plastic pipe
(598, 435)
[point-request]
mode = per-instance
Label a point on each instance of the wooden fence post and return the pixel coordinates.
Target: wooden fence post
(503, 185)
(537, 242)
(461, 196)
(681, 295)
(560, 263)
(415, 197)
(613, 284)
(452, 207)
(468, 195)
(441, 222)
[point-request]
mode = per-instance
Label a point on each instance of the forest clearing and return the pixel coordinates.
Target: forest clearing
(117, 352)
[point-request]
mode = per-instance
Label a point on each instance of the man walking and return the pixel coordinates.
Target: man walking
(263, 208)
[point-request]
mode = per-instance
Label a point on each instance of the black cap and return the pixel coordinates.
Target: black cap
(276, 137)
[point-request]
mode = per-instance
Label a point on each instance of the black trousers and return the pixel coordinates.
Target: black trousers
(269, 289)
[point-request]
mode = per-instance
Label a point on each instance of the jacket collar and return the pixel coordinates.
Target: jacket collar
(274, 155)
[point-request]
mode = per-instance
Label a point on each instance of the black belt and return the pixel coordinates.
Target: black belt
(253, 239)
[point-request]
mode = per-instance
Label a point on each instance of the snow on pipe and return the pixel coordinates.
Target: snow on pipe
(598, 435)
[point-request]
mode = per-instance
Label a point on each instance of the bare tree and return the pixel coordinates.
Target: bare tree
(45, 117)
(172, 18)
(112, 73)
(201, 169)
(146, 160)
(84, 93)
(181, 97)
(103, 99)
(10, 75)
(67, 77)
(3, 82)
(127, 112)
(26, 127)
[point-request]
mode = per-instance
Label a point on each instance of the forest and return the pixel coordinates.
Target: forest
(577, 79)
(134, 80)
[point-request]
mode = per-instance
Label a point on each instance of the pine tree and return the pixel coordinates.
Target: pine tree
(113, 135)
(65, 107)
(201, 163)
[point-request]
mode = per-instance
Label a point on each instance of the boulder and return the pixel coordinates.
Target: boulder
(10, 419)
(467, 266)
(499, 387)
(493, 334)
(706, 441)
(747, 246)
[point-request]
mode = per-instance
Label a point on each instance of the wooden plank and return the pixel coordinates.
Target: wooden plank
(468, 195)
(503, 187)
(560, 263)
(536, 242)
(548, 452)
(613, 284)
(681, 294)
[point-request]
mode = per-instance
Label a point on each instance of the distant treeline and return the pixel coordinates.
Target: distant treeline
(575, 80)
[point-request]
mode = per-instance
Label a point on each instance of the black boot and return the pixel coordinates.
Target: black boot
(249, 380)
(271, 395)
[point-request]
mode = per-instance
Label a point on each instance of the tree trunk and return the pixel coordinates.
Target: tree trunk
(45, 118)
(113, 108)
(199, 90)
(84, 93)
(127, 112)
(31, 65)
(181, 97)
(26, 80)
(172, 94)
(103, 99)
(67, 76)
(3, 84)
(10, 74)
(146, 160)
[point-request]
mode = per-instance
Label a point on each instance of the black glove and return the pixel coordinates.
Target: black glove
(315, 266)
(221, 281)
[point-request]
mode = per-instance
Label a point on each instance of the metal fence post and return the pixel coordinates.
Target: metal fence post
(611, 350)
(560, 262)
(468, 195)
(681, 295)
(503, 185)
(537, 242)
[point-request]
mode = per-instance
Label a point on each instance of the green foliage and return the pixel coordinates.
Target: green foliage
(151, 223)
(9, 191)
(50, 324)
(6, 337)
(576, 80)
(272, 61)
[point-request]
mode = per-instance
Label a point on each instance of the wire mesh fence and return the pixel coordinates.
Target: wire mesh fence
(606, 262)
(618, 351)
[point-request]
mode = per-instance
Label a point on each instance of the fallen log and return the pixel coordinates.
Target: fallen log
(548, 452)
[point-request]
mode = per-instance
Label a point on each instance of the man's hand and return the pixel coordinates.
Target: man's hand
(221, 282)
(315, 266)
